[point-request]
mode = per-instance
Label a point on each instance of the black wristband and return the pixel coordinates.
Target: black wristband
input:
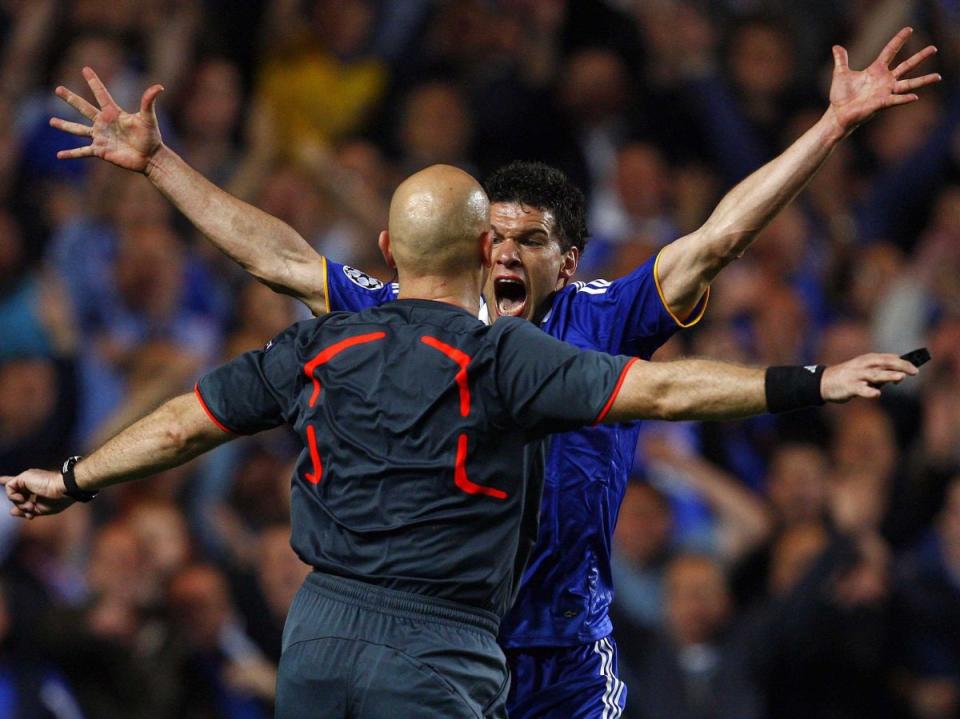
(789, 388)
(69, 481)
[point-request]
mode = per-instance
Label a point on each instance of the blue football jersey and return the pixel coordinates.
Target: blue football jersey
(566, 590)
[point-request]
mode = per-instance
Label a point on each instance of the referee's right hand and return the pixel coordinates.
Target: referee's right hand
(36, 492)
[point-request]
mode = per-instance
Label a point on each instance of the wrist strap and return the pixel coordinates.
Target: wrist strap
(70, 482)
(790, 388)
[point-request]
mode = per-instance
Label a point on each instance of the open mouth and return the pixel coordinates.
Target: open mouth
(511, 295)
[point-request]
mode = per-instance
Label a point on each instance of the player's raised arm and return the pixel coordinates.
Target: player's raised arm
(263, 245)
(173, 434)
(708, 390)
(687, 266)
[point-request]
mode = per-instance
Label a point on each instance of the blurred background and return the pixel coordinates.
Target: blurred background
(806, 565)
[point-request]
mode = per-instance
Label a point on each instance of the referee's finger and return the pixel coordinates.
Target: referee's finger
(894, 363)
(12, 487)
(898, 364)
(881, 377)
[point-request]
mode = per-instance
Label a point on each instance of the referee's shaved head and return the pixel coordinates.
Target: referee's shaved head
(437, 217)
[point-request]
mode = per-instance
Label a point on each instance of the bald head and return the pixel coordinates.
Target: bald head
(437, 217)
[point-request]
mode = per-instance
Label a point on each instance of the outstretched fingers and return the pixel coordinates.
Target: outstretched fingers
(915, 83)
(99, 89)
(841, 61)
(76, 153)
(76, 102)
(74, 128)
(149, 99)
(911, 62)
(894, 100)
(894, 46)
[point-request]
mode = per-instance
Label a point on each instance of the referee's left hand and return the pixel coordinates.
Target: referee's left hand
(863, 376)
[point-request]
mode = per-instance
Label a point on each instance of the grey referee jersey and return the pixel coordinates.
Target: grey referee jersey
(422, 466)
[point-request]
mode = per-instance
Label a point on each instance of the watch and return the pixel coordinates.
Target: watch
(72, 490)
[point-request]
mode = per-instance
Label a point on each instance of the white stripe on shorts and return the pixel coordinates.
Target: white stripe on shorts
(611, 696)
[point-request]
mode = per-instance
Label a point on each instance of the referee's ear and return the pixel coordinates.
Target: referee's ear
(383, 242)
(486, 249)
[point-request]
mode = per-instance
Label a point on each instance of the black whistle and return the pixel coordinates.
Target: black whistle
(917, 357)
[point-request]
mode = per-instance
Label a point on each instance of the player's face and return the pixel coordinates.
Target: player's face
(529, 264)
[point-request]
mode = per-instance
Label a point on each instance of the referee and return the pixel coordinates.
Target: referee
(416, 497)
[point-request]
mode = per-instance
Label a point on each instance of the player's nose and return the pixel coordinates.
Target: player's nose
(508, 253)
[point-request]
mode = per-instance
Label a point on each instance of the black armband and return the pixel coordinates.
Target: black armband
(789, 388)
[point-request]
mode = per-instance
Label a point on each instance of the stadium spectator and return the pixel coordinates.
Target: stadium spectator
(929, 616)
(869, 259)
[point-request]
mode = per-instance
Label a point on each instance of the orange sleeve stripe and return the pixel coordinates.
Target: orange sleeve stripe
(326, 284)
(680, 323)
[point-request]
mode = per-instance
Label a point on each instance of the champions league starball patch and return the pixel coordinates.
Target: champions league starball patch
(362, 279)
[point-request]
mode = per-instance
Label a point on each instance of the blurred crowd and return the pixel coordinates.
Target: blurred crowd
(800, 566)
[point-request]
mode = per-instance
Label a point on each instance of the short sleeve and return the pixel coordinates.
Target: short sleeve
(630, 312)
(351, 290)
(550, 386)
(255, 391)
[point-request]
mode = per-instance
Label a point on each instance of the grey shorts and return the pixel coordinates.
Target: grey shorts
(358, 651)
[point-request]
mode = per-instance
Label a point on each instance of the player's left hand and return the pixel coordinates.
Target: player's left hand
(36, 492)
(857, 95)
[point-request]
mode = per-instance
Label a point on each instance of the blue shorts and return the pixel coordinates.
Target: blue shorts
(577, 682)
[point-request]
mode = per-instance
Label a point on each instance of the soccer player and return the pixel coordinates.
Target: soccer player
(417, 495)
(558, 636)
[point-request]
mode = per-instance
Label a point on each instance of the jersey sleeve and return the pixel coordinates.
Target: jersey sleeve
(255, 391)
(632, 311)
(351, 290)
(550, 386)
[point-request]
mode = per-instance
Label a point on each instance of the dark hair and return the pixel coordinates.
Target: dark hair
(536, 184)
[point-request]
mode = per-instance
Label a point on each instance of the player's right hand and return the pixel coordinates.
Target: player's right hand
(36, 492)
(127, 140)
(863, 376)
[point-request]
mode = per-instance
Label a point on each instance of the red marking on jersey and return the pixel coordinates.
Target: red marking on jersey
(314, 478)
(221, 425)
(460, 465)
(462, 359)
(616, 391)
(332, 351)
(460, 474)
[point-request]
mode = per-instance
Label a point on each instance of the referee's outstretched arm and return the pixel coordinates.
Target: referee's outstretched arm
(173, 434)
(708, 390)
